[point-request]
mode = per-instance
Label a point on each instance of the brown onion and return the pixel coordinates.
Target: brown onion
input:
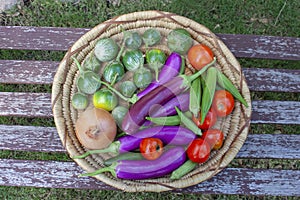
(95, 128)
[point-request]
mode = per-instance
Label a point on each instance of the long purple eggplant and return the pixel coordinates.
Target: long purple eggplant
(181, 101)
(169, 135)
(171, 69)
(145, 169)
(136, 116)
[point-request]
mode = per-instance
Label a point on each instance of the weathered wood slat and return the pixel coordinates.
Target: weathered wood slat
(281, 112)
(25, 104)
(42, 72)
(254, 46)
(39, 38)
(45, 139)
(46, 38)
(56, 174)
(39, 105)
(27, 71)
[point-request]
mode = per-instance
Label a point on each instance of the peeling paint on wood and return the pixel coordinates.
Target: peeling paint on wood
(42, 72)
(46, 139)
(39, 105)
(25, 104)
(54, 38)
(56, 174)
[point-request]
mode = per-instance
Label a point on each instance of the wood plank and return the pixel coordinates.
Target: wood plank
(281, 112)
(27, 71)
(39, 38)
(54, 174)
(255, 46)
(46, 139)
(25, 104)
(55, 38)
(39, 105)
(42, 72)
(274, 80)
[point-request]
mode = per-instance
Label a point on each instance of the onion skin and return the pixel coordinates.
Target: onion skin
(95, 128)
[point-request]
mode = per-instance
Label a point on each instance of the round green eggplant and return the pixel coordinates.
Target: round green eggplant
(106, 49)
(179, 40)
(133, 59)
(113, 72)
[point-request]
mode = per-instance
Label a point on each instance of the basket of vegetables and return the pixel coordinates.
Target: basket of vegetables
(151, 101)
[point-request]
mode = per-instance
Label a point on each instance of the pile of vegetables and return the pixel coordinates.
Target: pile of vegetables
(167, 125)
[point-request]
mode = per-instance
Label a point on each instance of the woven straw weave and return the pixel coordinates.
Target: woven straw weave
(235, 126)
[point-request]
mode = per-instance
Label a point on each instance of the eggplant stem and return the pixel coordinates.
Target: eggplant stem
(81, 71)
(111, 169)
(112, 148)
(132, 100)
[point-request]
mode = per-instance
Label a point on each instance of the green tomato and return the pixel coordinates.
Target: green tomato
(118, 114)
(151, 37)
(113, 72)
(86, 82)
(105, 99)
(133, 59)
(127, 88)
(142, 77)
(133, 40)
(179, 40)
(79, 101)
(106, 49)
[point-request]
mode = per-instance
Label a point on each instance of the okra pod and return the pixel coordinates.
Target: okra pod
(224, 82)
(208, 92)
(124, 156)
(188, 122)
(195, 97)
(168, 121)
(183, 170)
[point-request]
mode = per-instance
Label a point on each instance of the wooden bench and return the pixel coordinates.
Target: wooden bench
(232, 180)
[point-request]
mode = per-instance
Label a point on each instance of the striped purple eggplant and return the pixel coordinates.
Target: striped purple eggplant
(145, 169)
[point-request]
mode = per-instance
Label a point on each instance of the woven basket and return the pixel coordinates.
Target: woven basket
(235, 126)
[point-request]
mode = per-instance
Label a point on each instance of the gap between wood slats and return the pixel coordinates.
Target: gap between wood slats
(46, 139)
(56, 38)
(42, 72)
(39, 105)
(54, 174)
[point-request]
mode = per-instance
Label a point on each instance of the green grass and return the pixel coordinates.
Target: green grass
(221, 16)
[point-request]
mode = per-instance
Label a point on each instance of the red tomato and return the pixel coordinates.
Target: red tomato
(223, 103)
(200, 55)
(198, 151)
(151, 148)
(209, 121)
(214, 137)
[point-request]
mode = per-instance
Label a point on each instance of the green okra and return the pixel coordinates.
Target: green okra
(169, 120)
(195, 97)
(224, 82)
(188, 122)
(124, 156)
(183, 170)
(208, 92)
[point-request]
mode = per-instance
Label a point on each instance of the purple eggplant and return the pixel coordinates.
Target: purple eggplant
(136, 116)
(169, 135)
(145, 169)
(181, 101)
(171, 69)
